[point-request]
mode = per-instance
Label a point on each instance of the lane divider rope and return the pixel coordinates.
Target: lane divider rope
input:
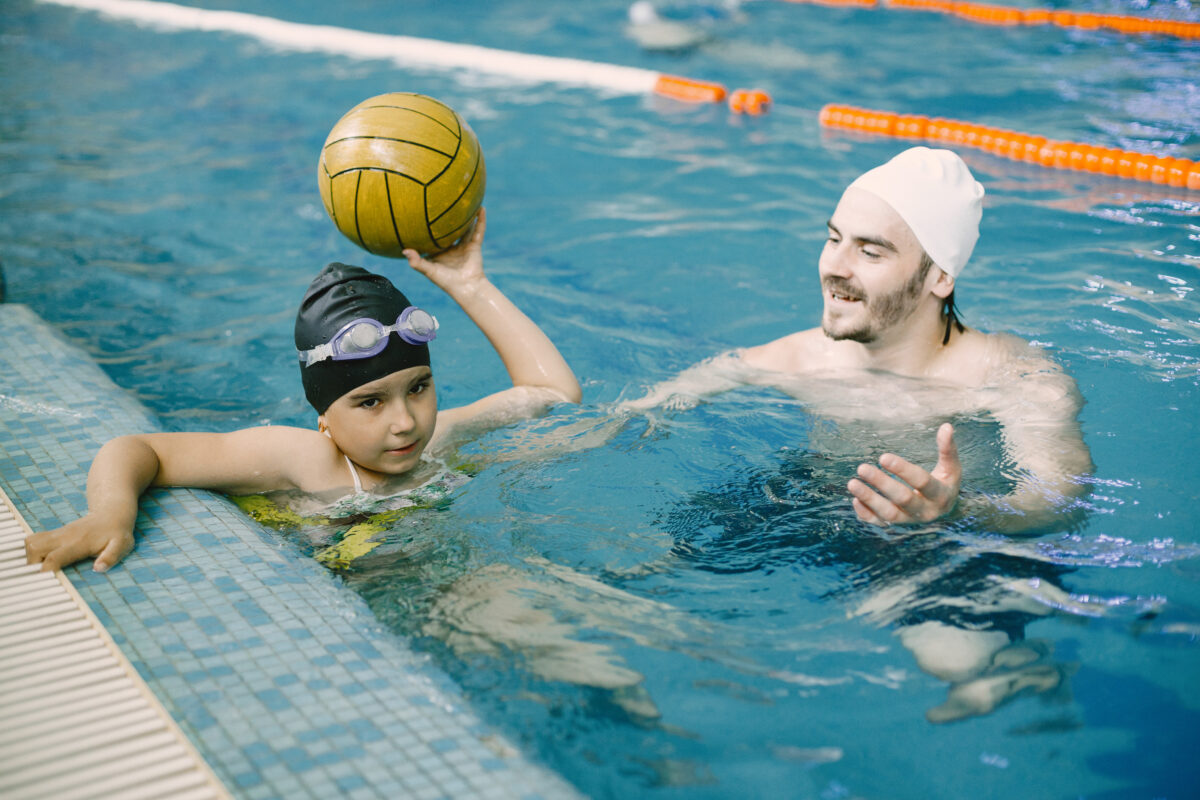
(411, 51)
(1057, 154)
(1012, 16)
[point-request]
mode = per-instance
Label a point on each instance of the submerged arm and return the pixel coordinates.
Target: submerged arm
(771, 364)
(1042, 437)
(715, 375)
(1040, 429)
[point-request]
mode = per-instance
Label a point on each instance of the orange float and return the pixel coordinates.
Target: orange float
(1177, 172)
(1055, 154)
(911, 126)
(1035, 16)
(749, 101)
(992, 14)
(689, 90)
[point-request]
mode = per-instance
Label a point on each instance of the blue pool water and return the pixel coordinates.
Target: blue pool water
(685, 607)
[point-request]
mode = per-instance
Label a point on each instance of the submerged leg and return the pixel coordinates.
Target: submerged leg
(499, 608)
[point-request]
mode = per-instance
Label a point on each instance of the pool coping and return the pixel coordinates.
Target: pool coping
(277, 674)
(79, 721)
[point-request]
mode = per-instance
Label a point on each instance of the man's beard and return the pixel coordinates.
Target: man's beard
(882, 312)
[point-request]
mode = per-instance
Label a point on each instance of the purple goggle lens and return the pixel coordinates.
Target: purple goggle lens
(363, 338)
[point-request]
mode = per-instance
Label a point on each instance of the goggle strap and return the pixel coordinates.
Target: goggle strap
(318, 353)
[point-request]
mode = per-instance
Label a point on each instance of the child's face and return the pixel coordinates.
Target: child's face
(385, 425)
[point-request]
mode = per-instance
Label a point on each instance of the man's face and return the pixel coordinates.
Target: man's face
(870, 269)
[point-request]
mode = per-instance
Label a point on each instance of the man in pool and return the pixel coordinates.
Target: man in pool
(364, 363)
(891, 355)
(891, 346)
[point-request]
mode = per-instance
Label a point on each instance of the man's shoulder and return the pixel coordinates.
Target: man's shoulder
(981, 358)
(1014, 356)
(1020, 372)
(797, 352)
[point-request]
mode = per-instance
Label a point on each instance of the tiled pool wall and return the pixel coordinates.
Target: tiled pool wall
(278, 674)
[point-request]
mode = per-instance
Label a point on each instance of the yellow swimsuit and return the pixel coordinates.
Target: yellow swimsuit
(371, 514)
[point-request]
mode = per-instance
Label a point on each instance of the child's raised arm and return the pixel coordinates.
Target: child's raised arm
(540, 375)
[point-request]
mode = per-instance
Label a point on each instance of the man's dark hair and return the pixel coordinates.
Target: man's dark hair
(949, 309)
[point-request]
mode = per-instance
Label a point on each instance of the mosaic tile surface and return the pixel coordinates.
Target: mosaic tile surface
(277, 673)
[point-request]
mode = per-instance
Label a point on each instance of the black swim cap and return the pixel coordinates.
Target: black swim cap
(339, 294)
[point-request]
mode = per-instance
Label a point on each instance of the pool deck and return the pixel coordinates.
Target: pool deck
(278, 676)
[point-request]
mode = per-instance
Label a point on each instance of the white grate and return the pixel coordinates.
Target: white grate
(76, 720)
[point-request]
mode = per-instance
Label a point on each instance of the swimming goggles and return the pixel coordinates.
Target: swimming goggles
(365, 337)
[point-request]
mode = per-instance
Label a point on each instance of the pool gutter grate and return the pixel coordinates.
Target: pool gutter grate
(79, 722)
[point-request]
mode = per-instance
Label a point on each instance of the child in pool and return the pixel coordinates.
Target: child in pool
(364, 363)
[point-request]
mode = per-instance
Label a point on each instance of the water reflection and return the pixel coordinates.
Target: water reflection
(957, 607)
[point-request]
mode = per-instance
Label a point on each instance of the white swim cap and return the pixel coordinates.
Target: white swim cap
(935, 193)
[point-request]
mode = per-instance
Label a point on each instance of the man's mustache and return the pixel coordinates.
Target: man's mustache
(843, 287)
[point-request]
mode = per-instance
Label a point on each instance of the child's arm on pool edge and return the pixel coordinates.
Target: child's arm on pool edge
(539, 373)
(120, 472)
(246, 461)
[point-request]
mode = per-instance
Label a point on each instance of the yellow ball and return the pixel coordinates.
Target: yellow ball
(402, 170)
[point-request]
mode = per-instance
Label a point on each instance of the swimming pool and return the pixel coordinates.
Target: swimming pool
(160, 209)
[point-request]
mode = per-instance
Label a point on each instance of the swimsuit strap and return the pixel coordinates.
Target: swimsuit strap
(353, 474)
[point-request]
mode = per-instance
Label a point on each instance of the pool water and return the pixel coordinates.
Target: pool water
(679, 603)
